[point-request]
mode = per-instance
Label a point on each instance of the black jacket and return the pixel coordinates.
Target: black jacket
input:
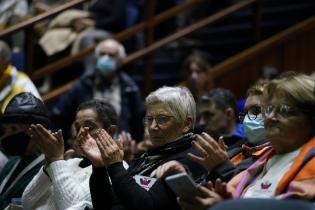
(125, 193)
(62, 112)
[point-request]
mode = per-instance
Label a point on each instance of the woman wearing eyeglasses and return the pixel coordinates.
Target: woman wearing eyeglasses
(288, 170)
(224, 163)
(171, 115)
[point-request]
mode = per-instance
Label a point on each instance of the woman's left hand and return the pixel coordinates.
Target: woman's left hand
(111, 151)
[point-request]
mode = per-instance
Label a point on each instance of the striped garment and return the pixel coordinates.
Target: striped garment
(13, 82)
(298, 182)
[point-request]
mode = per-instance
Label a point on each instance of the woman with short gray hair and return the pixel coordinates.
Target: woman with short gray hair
(171, 114)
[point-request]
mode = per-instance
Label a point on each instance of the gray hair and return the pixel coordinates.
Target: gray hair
(5, 51)
(178, 100)
(121, 49)
(299, 89)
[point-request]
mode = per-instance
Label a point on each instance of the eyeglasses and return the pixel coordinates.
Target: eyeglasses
(282, 110)
(253, 113)
(159, 119)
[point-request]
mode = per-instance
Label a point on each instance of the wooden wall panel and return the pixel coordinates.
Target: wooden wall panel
(299, 53)
(239, 80)
(295, 54)
(273, 57)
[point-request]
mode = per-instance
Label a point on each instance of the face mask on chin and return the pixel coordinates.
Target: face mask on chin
(16, 144)
(106, 65)
(254, 130)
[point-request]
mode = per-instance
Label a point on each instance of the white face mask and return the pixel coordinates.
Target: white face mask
(254, 130)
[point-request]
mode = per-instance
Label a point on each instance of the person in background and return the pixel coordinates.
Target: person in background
(218, 116)
(25, 160)
(107, 83)
(169, 119)
(12, 81)
(197, 77)
(60, 183)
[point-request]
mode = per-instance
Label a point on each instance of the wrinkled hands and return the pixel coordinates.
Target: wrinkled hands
(212, 153)
(111, 151)
(101, 151)
(50, 144)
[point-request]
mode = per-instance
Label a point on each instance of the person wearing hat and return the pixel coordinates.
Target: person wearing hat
(24, 158)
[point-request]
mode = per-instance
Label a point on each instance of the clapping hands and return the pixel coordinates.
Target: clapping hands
(212, 153)
(101, 150)
(50, 144)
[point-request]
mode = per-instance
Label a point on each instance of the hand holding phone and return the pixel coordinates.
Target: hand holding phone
(182, 185)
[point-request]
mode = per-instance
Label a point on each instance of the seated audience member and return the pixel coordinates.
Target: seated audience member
(24, 160)
(106, 83)
(169, 119)
(214, 156)
(218, 116)
(12, 81)
(286, 171)
(61, 183)
(197, 78)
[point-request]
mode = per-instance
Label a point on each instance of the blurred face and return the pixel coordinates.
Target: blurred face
(14, 128)
(16, 133)
(287, 128)
(3, 65)
(87, 118)
(162, 126)
(109, 49)
(253, 106)
(107, 62)
(214, 120)
(197, 78)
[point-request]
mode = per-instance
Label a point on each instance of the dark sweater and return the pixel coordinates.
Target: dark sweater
(125, 193)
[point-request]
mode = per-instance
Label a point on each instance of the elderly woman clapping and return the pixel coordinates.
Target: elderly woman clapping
(170, 117)
(288, 170)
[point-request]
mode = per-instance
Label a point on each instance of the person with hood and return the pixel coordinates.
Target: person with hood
(24, 158)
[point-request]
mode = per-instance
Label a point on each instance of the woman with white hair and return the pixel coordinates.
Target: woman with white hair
(171, 115)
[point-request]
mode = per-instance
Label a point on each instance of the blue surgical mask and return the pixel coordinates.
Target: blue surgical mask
(254, 130)
(106, 65)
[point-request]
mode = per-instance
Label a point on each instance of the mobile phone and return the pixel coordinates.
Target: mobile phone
(182, 185)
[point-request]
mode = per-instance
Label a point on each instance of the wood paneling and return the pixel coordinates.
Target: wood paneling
(290, 50)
